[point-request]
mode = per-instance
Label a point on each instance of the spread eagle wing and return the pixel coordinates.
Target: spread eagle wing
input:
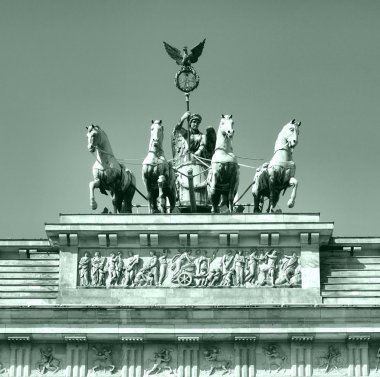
(210, 142)
(196, 52)
(174, 53)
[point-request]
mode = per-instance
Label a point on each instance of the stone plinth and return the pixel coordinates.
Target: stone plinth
(200, 259)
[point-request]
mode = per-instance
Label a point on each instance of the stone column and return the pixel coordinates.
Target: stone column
(245, 356)
(76, 356)
(132, 357)
(358, 355)
(301, 356)
(20, 356)
(188, 356)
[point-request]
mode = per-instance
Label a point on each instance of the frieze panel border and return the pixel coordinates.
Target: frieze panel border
(189, 267)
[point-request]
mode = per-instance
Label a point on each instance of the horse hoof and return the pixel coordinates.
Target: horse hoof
(94, 205)
(290, 204)
(224, 210)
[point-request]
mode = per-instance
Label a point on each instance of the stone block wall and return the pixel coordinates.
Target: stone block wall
(29, 276)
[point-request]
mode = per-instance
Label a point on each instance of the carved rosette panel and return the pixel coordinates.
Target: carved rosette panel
(197, 268)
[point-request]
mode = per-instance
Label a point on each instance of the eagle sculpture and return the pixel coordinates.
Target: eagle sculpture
(184, 58)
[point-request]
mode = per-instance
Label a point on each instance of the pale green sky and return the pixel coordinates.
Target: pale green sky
(67, 64)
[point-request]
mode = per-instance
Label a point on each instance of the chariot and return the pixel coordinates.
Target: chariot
(185, 276)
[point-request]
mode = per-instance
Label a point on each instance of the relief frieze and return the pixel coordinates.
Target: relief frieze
(197, 268)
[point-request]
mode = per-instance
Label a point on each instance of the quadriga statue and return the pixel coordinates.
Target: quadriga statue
(277, 175)
(109, 174)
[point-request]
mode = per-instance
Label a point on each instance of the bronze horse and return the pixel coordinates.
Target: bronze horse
(223, 177)
(278, 174)
(109, 174)
(157, 173)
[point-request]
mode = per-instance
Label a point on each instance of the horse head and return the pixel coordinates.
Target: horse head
(288, 137)
(156, 136)
(93, 137)
(226, 126)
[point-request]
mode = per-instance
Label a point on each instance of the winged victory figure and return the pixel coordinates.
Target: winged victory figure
(184, 58)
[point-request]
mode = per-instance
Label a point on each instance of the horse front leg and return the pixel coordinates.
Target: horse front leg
(212, 184)
(161, 182)
(293, 183)
(234, 184)
(93, 185)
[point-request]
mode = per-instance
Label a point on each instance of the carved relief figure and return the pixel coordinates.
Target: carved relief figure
(202, 267)
(228, 279)
(287, 269)
(163, 262)
(252, 260)
(103, 360)
(275, 359)
(183, 268)
(214, 277)
(227, 261)
(119, 267)
(48, 362)
(271, 265)
(112, 269)
(239, 266)
(152, 268)
(130, 269)
(97, 270)
(161, 362)
(330, 360)
(84, 270)
(211, 355)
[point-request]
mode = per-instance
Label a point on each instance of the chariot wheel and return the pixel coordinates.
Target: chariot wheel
(185, 279)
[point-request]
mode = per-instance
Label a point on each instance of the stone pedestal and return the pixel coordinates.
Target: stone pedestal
(301, 356)
(358, 356)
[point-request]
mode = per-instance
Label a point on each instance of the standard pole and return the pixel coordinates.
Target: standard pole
(193, 206)
(187, 96)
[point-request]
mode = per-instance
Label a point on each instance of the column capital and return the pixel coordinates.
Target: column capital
(302, 338)
(358, 338)
(19, 339)
(245, 339)
(75, 339)
(188, 339)
(132, 339)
